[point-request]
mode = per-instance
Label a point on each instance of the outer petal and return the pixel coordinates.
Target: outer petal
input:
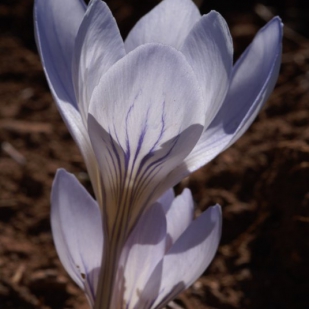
(253, 80)
(56, 25)
(142, 252)
(148, 121)
(179, 216)
(98, 46)
(168, 23)
(77, 231)
(188, 257)
(209, 50)
(166, 200)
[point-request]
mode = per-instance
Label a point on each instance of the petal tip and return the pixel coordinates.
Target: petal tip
(215, 213)
(61, 172)
(187, 192)
(276, 21)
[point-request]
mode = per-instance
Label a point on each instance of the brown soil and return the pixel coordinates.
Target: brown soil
(261, 182)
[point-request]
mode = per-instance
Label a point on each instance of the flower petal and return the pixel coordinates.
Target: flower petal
(77, 231)
(98, 46)
(56, 25)
(179, 216)
(142, 252)
(253, 79)
(166, 200)
(188, 257)
(209, 50)
(149, 119)
(168, 23)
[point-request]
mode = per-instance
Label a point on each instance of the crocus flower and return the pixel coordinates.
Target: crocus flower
(159, 105)
(165, 253)
(147, 111)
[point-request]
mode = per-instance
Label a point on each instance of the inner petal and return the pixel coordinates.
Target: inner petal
(145, 117)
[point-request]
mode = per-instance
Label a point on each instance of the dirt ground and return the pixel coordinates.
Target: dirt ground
(261, 182)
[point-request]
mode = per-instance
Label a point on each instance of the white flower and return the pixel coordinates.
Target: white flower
(148, 111)
(159, 105)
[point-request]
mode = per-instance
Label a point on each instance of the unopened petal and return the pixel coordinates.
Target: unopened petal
(77, 231)
(168, 23)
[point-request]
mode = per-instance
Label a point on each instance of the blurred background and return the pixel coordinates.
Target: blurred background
(261, 182)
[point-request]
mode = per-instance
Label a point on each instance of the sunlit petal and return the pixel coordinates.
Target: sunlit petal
(168, 23)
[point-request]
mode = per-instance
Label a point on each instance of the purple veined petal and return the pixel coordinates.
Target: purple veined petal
(147, 122)
(209, 50)
(77, 231)
(179, 216)
(56, 25)
(253, 79)
(168, 23)
(144, 118)
(187, 259)
(142, 252)
(98, 46)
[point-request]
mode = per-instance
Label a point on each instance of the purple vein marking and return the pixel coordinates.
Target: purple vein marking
(141, 139)
(150, 154)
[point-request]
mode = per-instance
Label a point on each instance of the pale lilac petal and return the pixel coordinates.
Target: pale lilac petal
(253, 80)
(56, 24)
(179, 216)
(209, 50)
(142, 252)
(145, 117)
(77, 231)
(166, 200)
(188, 257)
(168, 23)
(98, 46)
